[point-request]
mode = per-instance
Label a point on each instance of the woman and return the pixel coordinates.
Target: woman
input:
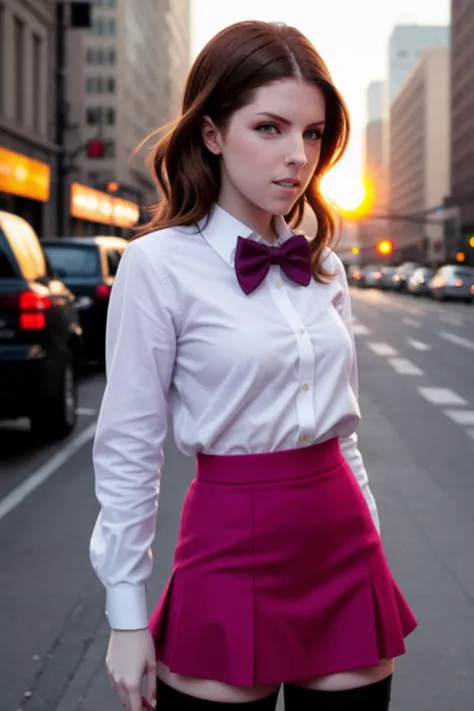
(241, 328)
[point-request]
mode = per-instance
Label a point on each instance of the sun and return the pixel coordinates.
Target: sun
(347, 191)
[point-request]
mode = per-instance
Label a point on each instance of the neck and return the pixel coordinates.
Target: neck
(250, 215)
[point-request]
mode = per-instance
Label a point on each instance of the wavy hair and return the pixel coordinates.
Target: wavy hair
(224, 77)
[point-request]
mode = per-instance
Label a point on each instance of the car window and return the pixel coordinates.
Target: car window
(464, 272)
(26, 247)
(7, 264)
(113, 260)
(72, 260)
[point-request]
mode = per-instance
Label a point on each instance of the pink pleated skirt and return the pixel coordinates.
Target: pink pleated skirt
(279, 573)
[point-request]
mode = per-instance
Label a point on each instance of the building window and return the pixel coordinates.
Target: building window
(37, 88)
(112, 28)
(18, 70)
(110, 117)
(109, 149)
(110, 85)
(94, 115)
(90, 56)
(111, 56)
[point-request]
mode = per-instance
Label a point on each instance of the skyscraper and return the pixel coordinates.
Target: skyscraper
(125, 79)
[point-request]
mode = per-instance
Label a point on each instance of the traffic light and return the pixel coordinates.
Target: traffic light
(95, 149)
(385, 247)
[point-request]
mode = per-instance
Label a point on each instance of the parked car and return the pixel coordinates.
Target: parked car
(419, 282)
(454, 282)
(371, 275)
(386, 280)
(403, 273)
(354, 275)
(40, 335)
(88, 266)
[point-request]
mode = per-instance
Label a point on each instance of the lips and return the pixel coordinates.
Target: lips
(288, 182)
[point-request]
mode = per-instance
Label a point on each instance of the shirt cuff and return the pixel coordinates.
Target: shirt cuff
(126, 607)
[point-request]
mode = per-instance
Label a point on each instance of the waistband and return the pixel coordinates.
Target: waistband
(269, 466)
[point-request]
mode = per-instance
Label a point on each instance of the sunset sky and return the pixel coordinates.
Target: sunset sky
(352, 37)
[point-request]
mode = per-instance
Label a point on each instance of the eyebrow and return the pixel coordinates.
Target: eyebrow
(276, 117)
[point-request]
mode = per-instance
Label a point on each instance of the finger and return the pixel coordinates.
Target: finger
(151, 684)
(135, 699)
(123, 695)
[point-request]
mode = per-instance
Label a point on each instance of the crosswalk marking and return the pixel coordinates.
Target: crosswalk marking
(457, 340)
(358, 329)
(405, 366)
(418, 345)
(442, 396)
(411, 322)
(461, 417)
(453, 320)
(383, 349)
(470, 433)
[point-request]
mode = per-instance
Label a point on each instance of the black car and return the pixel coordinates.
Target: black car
(40, 335)
(88, 265)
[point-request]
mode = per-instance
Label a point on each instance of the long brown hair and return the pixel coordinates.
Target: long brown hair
(223, 78)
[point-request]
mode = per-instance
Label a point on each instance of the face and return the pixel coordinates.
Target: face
(270, 148)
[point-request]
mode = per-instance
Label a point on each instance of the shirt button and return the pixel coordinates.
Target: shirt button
(300, 330)
(278, 284)
(305, 387)
(303, 438)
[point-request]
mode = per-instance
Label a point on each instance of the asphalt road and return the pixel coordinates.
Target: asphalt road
(417, 436)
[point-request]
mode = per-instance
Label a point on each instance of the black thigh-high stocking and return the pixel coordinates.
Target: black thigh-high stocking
(169, 699)
(374, 697)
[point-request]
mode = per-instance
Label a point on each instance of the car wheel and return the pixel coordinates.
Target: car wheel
(57, 419)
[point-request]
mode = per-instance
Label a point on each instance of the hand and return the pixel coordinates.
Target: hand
(130, 657)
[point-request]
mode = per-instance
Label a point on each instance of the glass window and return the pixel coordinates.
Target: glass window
(110, 117)
(73, 261)
(112, 28)
(113, 259)
(111, 85)
(111, 56)
(18, 68)
(90, 56)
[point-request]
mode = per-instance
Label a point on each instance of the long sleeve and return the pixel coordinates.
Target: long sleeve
(128, 447)
(349, 444)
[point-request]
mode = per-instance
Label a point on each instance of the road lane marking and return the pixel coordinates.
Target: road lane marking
(19, 494)
(411, 322)
(453, 320)
(418, 345)
(457, 340)
(86, 411)
(461, 417)
(470, 433)
(405, 366)
(442, 396)
(358, 329)
(383, 349)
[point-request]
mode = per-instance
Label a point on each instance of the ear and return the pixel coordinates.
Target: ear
(211, 136)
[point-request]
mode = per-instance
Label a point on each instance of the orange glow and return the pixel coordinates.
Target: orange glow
(460, 256)
(354, 198)
(20, 175)
(385, 246)
(96, 206)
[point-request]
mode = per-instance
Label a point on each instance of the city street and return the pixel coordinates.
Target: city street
(416, 363)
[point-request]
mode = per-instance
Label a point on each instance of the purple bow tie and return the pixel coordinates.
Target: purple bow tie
(253, 260)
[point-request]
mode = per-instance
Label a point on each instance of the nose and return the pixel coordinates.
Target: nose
(296, 153)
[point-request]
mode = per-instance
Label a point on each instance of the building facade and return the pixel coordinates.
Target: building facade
(462, 118)
(125, 79)
(27, 150)
(420, 156)
(406, 46)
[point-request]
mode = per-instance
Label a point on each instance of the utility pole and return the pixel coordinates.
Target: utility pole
(60, 117)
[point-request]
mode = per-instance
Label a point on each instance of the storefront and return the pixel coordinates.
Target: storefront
(94, 212)
(25, 185)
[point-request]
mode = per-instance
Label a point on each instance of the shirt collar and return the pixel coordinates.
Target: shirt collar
(222, 230)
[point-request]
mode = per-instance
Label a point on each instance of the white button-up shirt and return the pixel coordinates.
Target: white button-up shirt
(239, 374)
